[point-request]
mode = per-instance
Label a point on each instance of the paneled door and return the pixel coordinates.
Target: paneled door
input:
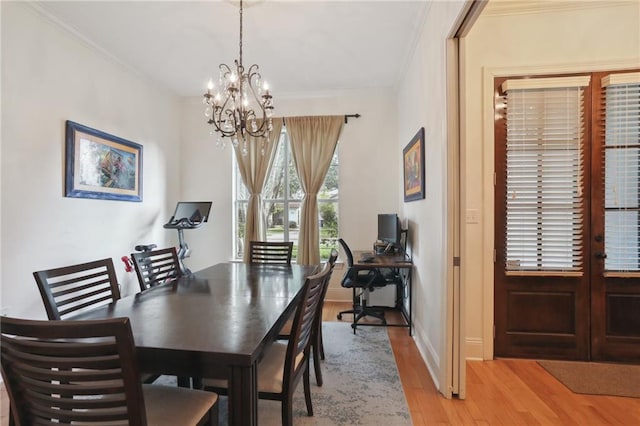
(567, 228)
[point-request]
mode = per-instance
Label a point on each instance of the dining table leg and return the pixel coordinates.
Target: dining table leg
(243, 395)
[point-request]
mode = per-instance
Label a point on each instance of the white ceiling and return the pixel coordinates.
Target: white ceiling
(302, 46)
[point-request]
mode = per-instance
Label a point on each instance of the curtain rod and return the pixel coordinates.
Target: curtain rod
(348, 116)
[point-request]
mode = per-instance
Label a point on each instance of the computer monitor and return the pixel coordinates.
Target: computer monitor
(389, 230)
(195, 211)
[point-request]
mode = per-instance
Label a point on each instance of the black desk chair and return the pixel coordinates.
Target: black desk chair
(361, 281)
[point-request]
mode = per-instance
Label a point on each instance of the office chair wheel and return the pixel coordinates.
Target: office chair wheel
(339, 316)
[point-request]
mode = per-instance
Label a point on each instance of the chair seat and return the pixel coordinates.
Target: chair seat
(170, 406)
(270, 370)
(167, 405)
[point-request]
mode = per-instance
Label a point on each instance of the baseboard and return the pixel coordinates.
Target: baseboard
(473, 349)
(428, 354)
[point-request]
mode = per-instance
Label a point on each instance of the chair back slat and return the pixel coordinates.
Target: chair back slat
(156, 267)
(271, 252)
(69, 290)
(71, 371)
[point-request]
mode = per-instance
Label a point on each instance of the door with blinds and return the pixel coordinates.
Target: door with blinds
(567, 226)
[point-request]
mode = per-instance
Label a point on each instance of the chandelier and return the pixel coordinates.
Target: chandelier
(240, 104)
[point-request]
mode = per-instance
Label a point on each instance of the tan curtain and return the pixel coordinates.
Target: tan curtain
(313, 142)
(254, 168)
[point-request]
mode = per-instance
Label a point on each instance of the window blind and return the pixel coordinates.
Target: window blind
(544, 175)
(621, 99)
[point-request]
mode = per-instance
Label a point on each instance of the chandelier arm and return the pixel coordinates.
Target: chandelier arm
(224, 113)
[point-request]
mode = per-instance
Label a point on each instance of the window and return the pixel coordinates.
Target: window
(550, 184)
(621, 98)
(281, 202)
(544, 174)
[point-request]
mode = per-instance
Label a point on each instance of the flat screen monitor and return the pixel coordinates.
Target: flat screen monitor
(389, 228)
(195, 211)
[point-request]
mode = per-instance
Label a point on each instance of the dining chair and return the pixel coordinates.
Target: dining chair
(271, 252)
(86, 372)
(156, 267)
(68, 290)
(285, 363)
(317, 344)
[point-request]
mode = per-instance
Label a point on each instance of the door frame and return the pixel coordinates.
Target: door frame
(489, 171)
(455, 370)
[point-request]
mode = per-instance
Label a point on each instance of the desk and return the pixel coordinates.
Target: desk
(404, 265)
(215, 324)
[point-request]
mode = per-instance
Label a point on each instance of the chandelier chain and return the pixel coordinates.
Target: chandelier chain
(240, 32)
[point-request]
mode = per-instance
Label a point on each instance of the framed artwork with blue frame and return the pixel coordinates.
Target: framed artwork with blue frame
(101, 166)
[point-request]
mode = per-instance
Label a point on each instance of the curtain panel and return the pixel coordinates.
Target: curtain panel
(313, 142)
(254, 166)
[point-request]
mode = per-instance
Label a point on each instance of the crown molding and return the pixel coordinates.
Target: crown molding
(520, 7)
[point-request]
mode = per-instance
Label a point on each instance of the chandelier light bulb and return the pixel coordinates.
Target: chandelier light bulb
(210, 85)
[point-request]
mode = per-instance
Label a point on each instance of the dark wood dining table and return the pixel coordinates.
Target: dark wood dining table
(215, 323)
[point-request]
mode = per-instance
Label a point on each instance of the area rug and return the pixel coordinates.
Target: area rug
(596, 378)
(361, 384)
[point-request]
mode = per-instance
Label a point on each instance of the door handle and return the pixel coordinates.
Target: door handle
(601, 255)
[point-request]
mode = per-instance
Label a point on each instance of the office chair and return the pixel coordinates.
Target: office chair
(361, 281)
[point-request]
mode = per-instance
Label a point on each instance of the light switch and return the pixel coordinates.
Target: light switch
(472, 216)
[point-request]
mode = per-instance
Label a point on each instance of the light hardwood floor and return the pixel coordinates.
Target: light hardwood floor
(502, 392)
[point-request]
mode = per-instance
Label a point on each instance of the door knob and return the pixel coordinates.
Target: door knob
(601, 255)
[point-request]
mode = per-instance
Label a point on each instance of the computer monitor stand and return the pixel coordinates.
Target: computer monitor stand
(188, 215)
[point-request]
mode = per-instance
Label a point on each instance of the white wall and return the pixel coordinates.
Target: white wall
(48, 77)
(369, 169)
(584, 37)
(422, 103)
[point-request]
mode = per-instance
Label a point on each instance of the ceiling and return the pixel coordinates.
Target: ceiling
(302, 47)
